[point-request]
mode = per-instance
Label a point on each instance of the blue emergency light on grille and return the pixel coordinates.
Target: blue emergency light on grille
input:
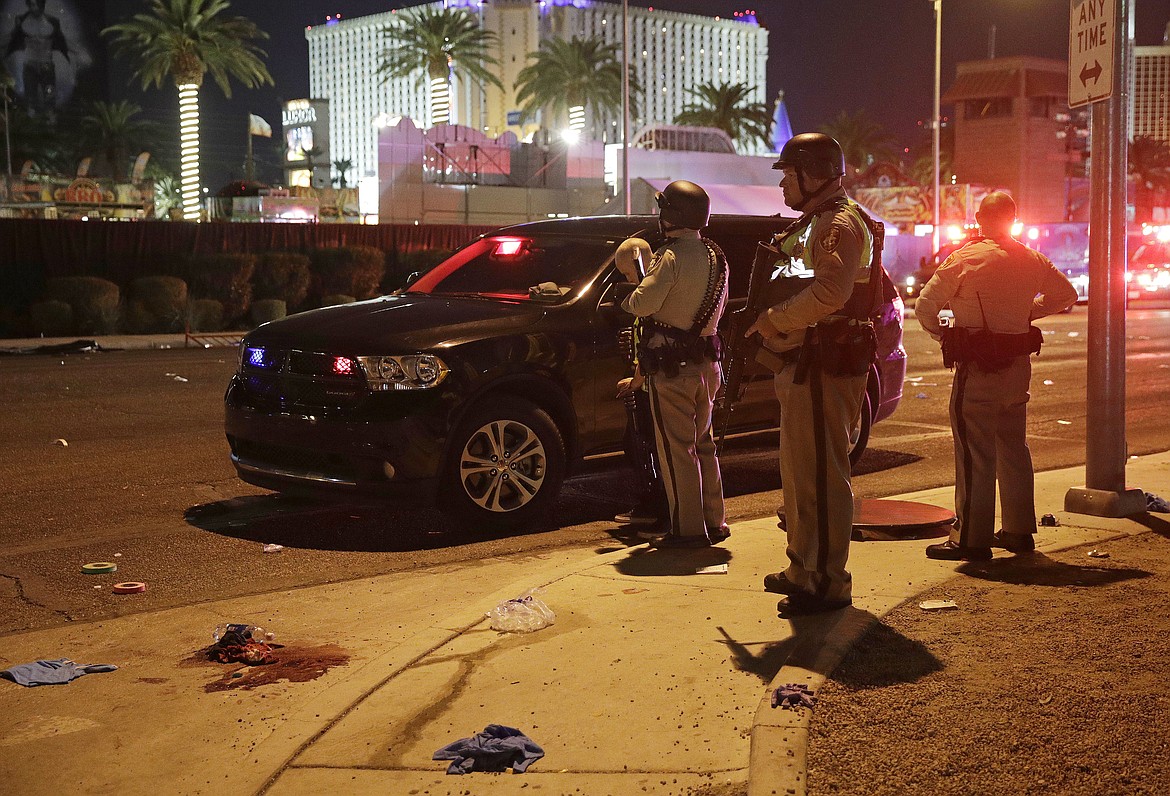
(259, 358)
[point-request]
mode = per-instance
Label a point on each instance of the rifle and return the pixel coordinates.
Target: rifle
(742, 350)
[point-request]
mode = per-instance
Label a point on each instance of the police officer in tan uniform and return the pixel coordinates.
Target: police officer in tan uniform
(995, 286)
(820, 402)
(680, 302)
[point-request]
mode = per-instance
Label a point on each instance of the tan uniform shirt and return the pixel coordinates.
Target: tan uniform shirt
(834, 253)
(675, 285)
(1000, 285)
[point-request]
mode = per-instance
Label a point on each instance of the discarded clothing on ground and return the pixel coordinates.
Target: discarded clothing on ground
(793, 696)
(254, 653)
(54, 672)
(77, 346)
(1155, 503)
(494, 749)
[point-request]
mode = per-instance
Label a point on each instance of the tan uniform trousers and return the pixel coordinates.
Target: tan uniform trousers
(816, 420)
(682, 409)
(989, 424)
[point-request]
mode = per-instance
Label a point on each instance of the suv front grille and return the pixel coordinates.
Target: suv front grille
(300, 380)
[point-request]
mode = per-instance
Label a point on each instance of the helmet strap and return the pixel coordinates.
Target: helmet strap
(809, 195)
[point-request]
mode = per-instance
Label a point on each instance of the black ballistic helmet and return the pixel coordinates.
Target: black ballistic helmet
(684, 204)
(815, 155)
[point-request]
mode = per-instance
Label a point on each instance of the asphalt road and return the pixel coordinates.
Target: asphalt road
(145, 480)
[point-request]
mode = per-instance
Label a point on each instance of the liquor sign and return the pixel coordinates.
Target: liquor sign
(1092, 42)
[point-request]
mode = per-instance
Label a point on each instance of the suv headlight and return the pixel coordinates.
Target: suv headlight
(408, 372)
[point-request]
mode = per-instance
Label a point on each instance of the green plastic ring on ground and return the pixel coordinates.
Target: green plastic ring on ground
(99, 568)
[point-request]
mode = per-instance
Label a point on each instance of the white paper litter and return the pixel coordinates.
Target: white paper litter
(1098, 554)
(273, 548)
(714, 569)
(937, 605)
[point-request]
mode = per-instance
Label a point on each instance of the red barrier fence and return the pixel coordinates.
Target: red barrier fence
(123, 251)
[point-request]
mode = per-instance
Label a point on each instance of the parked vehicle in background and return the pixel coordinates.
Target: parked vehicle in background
(1065, 244)
(1149, 270)
(488, 379)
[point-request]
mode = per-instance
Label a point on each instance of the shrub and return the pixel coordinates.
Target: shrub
(205, 315)
(52, 318)
(156, 304)
(336, 298)
(227, 278)
(265, 310)
(94, 301)
(349, 271)
(284, 276)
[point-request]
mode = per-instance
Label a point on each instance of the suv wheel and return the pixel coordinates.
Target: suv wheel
(506, 464)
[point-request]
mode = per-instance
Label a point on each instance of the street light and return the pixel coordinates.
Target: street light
(626, 105)
(936, 122)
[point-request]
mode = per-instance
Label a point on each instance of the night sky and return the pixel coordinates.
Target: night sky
(826, 55)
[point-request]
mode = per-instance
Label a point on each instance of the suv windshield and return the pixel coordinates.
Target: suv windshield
(514, 267)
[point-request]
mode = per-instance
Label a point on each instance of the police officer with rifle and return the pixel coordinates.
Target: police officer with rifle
(995, 287)
(679, 303)
(813, 320)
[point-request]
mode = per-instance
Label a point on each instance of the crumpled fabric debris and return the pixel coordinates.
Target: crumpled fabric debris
(1155, 503)
(254, 653)
(494, 749)
(793, 696)
(52, 672)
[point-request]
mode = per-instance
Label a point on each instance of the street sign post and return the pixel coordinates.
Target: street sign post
(1092, 43)
(1099, 71)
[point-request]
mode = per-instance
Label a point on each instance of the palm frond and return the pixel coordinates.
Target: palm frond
(563, 74)
(432, 42)
(728, 107)
(186, 39)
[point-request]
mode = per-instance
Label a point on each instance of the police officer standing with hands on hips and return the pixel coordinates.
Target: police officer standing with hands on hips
(680, 302)
(822, 345)
(995, 287)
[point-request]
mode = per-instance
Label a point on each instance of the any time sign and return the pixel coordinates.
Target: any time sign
(1091, 42)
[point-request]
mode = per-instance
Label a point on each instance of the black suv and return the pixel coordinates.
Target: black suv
(486, 380)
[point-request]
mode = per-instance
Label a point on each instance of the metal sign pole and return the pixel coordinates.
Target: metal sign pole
(1105, 493)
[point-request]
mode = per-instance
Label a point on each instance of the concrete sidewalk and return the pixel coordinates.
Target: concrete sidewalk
(654, 679)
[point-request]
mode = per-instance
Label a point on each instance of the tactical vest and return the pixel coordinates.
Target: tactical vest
(797, 247)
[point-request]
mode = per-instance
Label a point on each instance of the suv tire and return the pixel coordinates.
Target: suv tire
(522, 480)
(858, 443)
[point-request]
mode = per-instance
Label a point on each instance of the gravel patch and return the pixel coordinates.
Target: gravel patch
(1051, 677)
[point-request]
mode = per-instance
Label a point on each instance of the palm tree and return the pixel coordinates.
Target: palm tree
(342, 166)
(727, 106)
(435, 43)
(112, 128)
(566, 77)
(184, 40)
(863, 140)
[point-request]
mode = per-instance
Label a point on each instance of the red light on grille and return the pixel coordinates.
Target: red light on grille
(344, 366)
(508, 247)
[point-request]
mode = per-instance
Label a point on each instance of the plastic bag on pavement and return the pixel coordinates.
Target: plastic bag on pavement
(522, 614)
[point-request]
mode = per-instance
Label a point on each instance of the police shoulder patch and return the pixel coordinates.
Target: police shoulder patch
(831, 239)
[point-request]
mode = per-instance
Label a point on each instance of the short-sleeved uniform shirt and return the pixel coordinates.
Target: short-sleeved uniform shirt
(998, 285)
(676, 284)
